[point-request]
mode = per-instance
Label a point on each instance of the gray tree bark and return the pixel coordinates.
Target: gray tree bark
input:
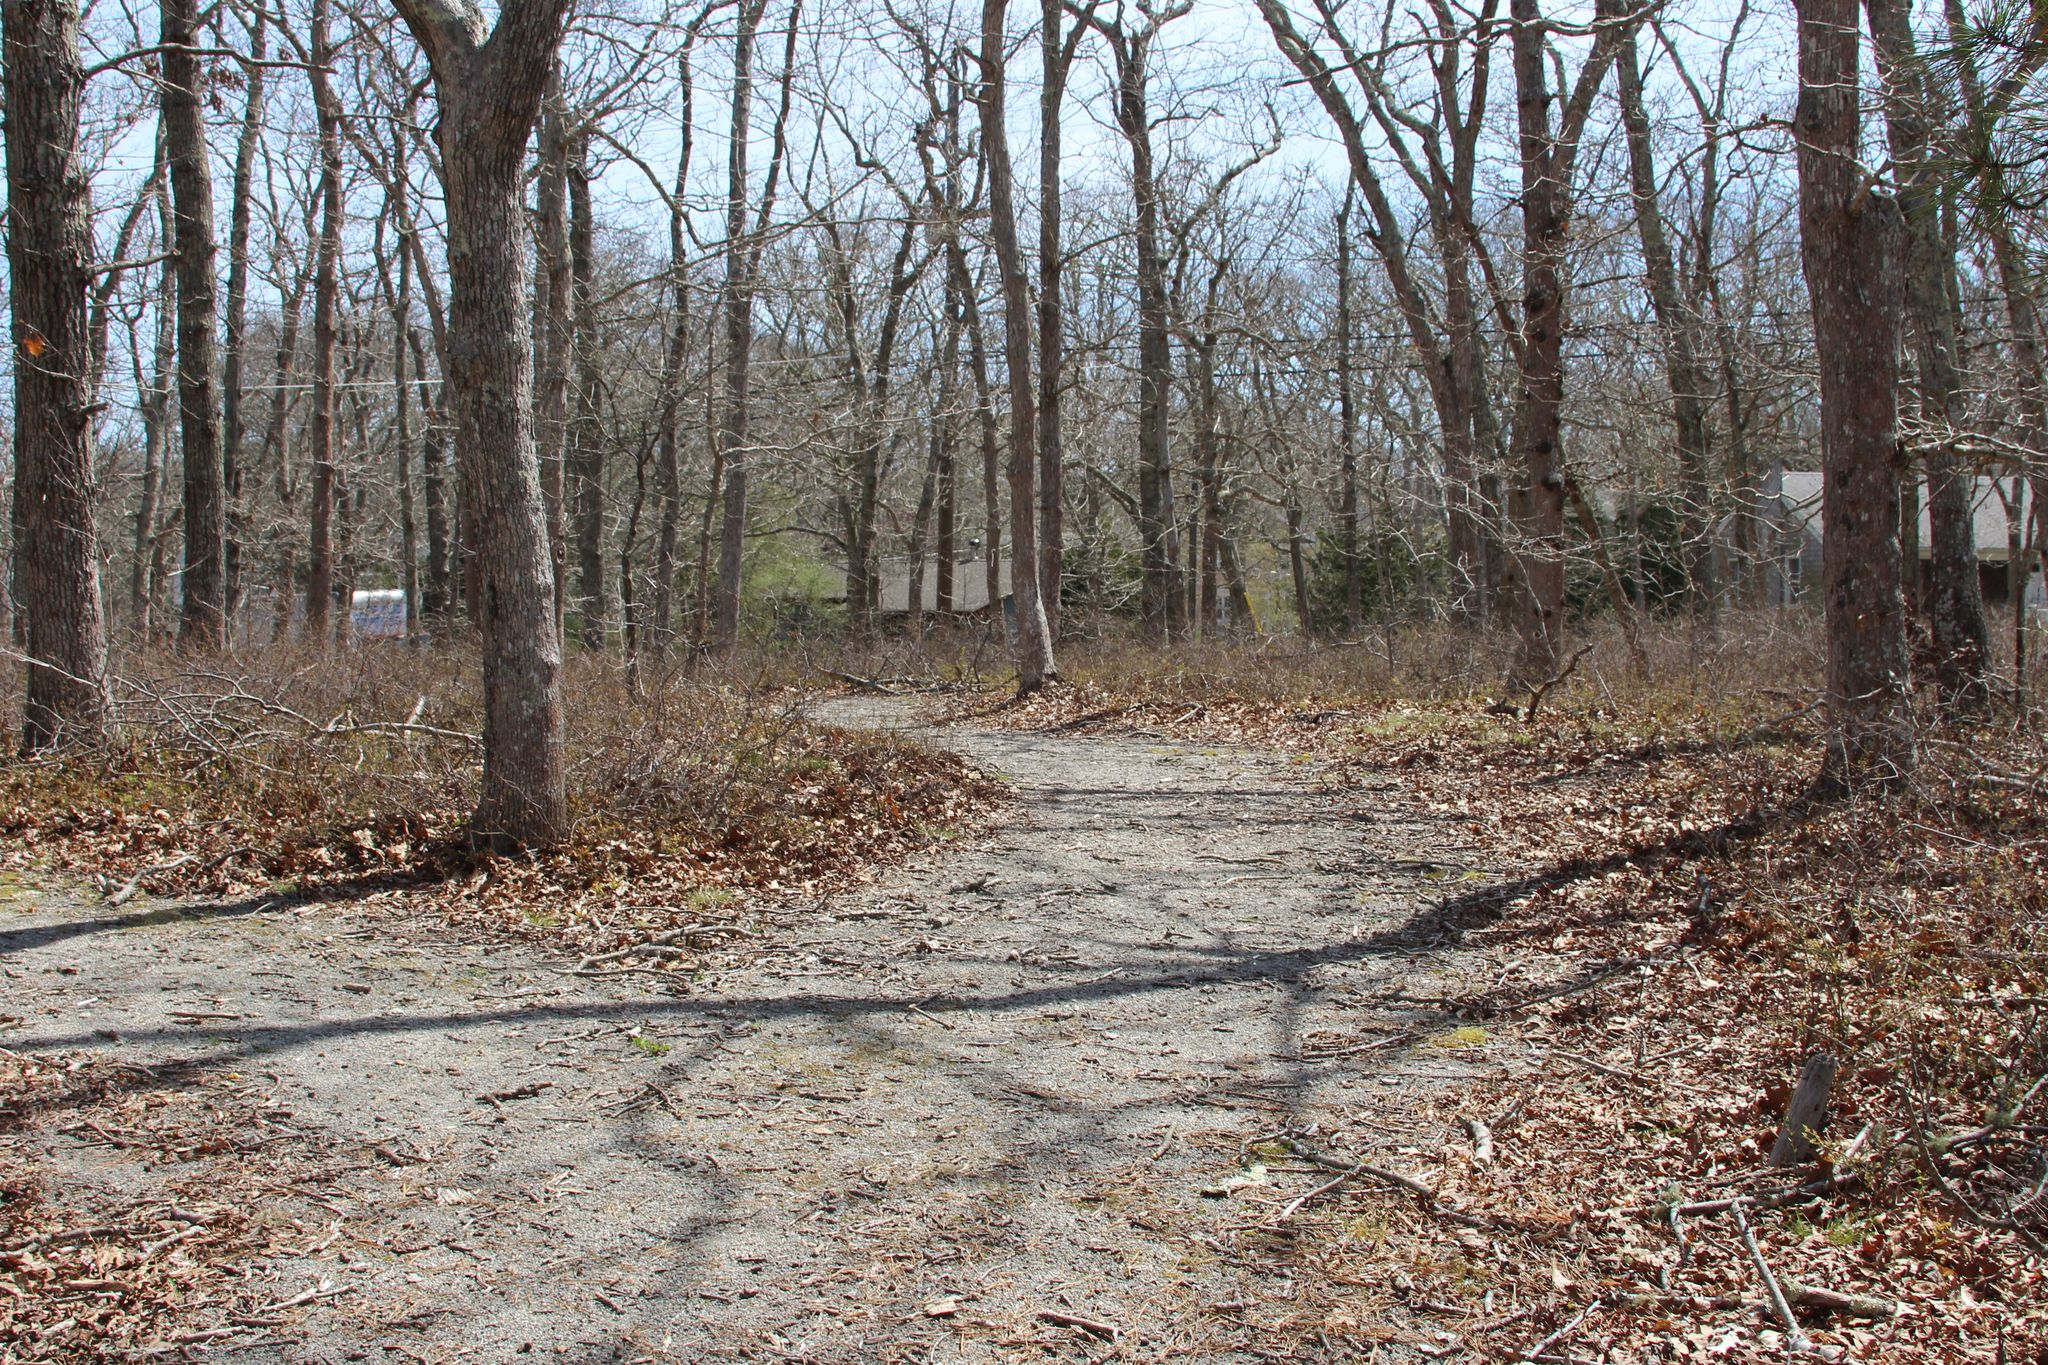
(1035, 665)
(49, 246)
(1954, 600)
(202, 619)
(1851, 248)
(489, 83)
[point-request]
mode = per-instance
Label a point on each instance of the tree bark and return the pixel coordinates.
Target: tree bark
(489, 85)
(593, 609)
(1678, 327)
(1954, 600)
(1057, 59)
(1035, 665)
(202, 617)
(326, 306)
(1347, 427)
(1548, 154)
(1163, 603)
(1850, 247)
(668, 473)
(49, 248)
(236, 325)
(553, 335)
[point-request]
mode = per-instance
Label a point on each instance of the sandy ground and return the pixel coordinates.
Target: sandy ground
(993, 1086)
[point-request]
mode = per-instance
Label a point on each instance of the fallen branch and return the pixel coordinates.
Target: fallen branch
(1834, 1301)
(1795, 1335)
(1107, 1330)
(1428, 1196)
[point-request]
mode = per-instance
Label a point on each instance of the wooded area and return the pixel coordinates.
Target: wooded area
(456, 449)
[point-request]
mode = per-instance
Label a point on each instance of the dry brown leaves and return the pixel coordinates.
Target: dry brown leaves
(1673, 935)
(694, 801)
(133, 1223)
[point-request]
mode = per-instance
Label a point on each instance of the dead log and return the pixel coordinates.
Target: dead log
(1806, 1115)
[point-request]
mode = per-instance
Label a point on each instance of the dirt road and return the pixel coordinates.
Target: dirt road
(961, 1116)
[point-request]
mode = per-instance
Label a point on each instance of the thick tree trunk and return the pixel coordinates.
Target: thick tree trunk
(1035, 666)
(202, 619)
(490, 91)
(1851, 247)
(49, 248)
(1954, 600)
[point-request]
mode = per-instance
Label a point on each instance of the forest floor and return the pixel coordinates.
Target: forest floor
(1005, 1103)
(1255, 1020)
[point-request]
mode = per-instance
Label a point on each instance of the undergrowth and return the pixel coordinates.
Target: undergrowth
(694, 794)
(1676, 931)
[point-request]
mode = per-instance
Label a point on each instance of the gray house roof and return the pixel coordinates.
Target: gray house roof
(1800, 498)
(970, 585)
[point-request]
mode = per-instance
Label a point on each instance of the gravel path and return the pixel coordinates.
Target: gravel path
(993, 1086)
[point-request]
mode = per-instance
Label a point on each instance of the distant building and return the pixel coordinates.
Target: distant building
(1794, 511)
(377, 614)
(970, 586)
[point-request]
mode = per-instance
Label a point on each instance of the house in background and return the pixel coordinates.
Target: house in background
(1793, 510)
(374, 614)
(377, 614)
(970, 586)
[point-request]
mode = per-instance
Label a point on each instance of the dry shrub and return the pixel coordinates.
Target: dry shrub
(295, 772)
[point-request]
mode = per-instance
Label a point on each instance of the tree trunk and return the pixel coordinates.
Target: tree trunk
(1547, 155)
(401, 403)
(553, 335)
(1850, 247)
(1683, 372)
(2021, 309)
(49, 250)
(1035, 666)
(668, 473)
(326, 305)
(202, 618)
(235, 326)
(1057, 58)
(739, 336)
(489, 92)
(587, 433)
(1347, 428)
(1157, 530)
(1954, 600)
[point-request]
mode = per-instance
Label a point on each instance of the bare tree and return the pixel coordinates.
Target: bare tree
(489, 81)
(49, 246)
(1851, 248)
(1954, 602)
(202, 620)
(1549, 152)
(320, 576)
(1035, 665)
(743, 262)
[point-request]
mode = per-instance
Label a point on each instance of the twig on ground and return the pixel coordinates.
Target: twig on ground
(1537, 1351)
(1107, 1330)
(1795, 1335)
